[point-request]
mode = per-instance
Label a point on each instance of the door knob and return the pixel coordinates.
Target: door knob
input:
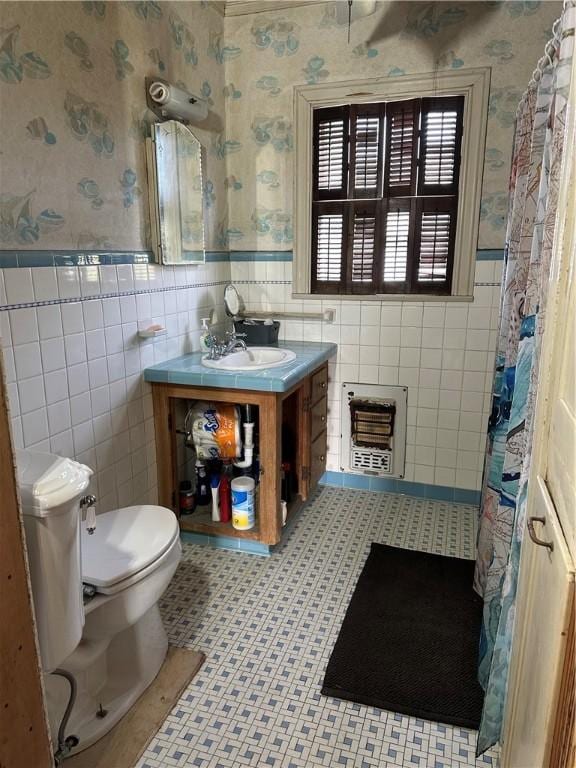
(535, 538)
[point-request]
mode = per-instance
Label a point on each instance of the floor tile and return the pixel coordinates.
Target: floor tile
(268, 626)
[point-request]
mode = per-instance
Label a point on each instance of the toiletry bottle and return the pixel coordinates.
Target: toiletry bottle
(205, 336)
(203, 495)
(215, 488)
(226, 495)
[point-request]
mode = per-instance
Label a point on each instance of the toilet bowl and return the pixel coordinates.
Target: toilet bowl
(113, 643)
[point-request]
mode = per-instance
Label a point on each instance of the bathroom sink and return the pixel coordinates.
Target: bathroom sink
(251, 359)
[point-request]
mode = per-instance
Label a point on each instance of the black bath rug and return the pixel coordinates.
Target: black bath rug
(409, 640)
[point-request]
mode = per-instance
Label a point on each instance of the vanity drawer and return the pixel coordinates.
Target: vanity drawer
(318, 416)
(317, 459)
(319, 384)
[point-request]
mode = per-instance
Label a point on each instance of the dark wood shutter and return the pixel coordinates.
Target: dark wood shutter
(331, 153)
(441, 136)
(385, 196)
(366, 144)
(401, 148)
(363, 248)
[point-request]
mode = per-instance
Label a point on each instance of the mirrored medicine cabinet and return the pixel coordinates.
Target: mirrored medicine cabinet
(175, 183)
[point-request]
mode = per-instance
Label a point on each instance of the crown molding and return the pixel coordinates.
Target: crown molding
(247, 7)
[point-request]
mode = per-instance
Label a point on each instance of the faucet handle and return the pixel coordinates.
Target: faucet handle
(87, 503)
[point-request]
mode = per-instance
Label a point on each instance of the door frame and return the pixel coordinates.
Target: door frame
(24, 735)
(561, 280)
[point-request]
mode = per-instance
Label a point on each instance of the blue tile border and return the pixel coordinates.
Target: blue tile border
(488, 254)
(94, 257)
(227, 542)
(389, 485)
(90, 258)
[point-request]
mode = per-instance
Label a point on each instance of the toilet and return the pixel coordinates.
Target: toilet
(111, 640)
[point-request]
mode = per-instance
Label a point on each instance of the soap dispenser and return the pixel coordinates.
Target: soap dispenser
(205, 335)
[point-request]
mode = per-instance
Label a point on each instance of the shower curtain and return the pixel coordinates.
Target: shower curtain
(534, 181)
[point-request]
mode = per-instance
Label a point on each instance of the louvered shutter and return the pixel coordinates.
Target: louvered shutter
(329, 233)
(386, 196)
(441, 136)
(396, 245)
(331, 153)
(363, 248)
(366, 143)
(434, 247)
(401, 148)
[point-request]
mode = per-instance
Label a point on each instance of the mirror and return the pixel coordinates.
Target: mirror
(175, 182)
(232, 301)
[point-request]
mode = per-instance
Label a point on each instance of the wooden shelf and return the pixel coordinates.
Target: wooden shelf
(201, 522)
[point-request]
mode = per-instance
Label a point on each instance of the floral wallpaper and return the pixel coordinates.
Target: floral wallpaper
(73, 117)
(276, 50)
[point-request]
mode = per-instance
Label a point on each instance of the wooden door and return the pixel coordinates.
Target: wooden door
(539, 718)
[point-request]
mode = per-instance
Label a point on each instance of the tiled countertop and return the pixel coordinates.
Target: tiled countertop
(188, 369)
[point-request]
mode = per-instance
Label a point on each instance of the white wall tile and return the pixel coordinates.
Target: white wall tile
(31, 395)
(49, 321)
(56, 386)
(27, 360)
(18, 285)
(34, 427)
(59, 417)
(45, 283)
(72, 318)
(68, 282)
(53, 356)
(24, 324)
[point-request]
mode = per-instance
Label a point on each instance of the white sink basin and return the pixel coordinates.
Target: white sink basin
(252, 359)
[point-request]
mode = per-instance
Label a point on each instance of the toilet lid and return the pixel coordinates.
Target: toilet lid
(126, 541)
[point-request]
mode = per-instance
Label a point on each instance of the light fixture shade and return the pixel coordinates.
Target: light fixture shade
(170, 101)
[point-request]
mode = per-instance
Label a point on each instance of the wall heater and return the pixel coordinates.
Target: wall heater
(373, 419)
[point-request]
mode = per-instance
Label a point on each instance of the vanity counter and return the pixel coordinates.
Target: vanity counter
(188, 370)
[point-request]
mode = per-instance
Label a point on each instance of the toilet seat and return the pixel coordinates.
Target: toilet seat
(128, 543)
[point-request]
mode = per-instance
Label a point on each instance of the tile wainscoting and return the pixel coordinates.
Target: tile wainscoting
(73, 359)
(443, 352)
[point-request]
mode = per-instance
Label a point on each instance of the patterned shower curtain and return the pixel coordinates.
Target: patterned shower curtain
(534, 182)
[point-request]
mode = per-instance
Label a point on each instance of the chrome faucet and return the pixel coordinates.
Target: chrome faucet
(220, 348)
(234, 340)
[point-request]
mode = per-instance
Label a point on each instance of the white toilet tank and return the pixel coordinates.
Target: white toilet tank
(50, 489)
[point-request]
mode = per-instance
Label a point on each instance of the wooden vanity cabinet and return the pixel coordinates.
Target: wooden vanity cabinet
(302, 410)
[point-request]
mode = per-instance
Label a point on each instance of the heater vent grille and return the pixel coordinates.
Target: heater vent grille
(371, 460)
(373, 429)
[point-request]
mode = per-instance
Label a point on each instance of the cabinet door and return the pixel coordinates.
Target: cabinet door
(317, 459)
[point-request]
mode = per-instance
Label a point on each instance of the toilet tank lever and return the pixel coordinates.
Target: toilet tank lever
(87, 504)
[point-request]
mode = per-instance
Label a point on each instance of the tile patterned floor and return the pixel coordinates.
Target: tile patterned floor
(267, 626)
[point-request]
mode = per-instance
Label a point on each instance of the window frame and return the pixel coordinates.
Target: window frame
(474, 85)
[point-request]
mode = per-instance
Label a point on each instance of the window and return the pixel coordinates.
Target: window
(389, 176)
(385, 196)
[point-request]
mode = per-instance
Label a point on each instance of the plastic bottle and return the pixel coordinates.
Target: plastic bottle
(214, 487)
(243, 507)
(203, 495)
(205, 336)
(225, 495)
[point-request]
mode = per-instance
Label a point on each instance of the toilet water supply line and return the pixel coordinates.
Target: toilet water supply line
(65, 744)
